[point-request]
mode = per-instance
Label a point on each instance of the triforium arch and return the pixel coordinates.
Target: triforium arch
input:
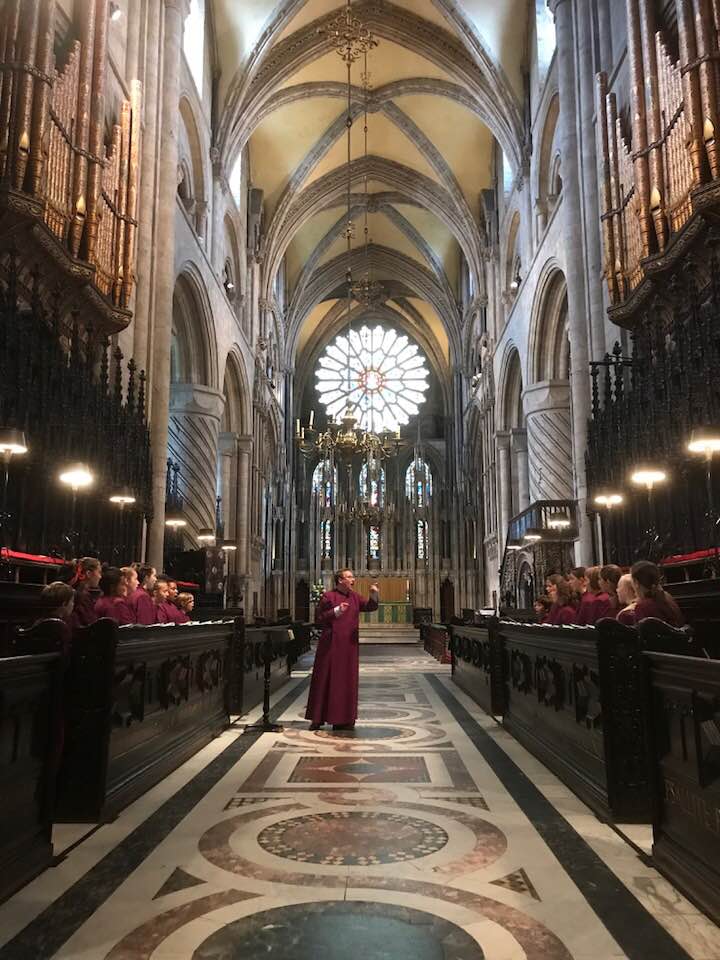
(192, 333)
(512, 458)
(549, 183)
(547, 398)
(191, 161)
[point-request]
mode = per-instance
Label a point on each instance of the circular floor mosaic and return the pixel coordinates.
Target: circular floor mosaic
(377, 713)
(353, 838)
(369, 733)
(338, 930)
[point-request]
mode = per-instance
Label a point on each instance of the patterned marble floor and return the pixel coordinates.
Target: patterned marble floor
(427, 834)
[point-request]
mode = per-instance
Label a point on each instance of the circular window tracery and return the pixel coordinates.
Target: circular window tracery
(379, 373)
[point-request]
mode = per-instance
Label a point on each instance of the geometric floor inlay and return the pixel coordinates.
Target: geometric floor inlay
(353, 838)
(360, 770)
(339, 931)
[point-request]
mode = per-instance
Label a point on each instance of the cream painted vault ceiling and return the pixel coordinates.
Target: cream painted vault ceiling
(445, 86)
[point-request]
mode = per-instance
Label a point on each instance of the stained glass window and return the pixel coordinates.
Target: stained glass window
(374, 543)
(418, 483)
(422, 540)
(381, 375)
(372, 484)
(326, 539)
(323, 479)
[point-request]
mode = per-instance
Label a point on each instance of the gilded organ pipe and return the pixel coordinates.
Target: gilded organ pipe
(41, 100)
(691, 92)
(639, 128)
(82, 126)
(706, 37)
(22, 103)
(53, 150)
(657, 198)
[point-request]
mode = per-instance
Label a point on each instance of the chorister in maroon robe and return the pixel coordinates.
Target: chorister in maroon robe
(117, 608)
(333, 694)
(172, 613)
(83, 612)
(561, 615)
(586, 611)
(143, 607)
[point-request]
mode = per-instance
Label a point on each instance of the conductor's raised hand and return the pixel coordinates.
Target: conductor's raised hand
(375, 590)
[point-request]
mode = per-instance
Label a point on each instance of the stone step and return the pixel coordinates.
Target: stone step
(388, 633)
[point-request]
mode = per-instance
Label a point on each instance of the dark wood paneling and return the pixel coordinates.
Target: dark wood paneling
(29, 733)
(684, 735)
(436, 641)
(574, 700)
(479, 666)
(139, 702)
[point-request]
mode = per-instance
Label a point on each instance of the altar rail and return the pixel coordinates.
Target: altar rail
(28, 694)
(683, 729)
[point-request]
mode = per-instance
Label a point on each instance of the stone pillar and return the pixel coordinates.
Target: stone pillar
(194, 428)
(244, 454)
(574, 265)
(146, 201)
(175, 13)
(520, 458)
(589, 180)
(227, 452)
(549, 440)
(503, 461)
(218, 215)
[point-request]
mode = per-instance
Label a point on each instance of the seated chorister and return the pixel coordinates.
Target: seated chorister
(141, 600)
(165, 594)
(83, 576)
(113, 603)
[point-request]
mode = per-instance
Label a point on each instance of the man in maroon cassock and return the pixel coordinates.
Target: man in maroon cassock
(334, 686)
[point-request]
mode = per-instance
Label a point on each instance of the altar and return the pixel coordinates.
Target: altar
(395, 606)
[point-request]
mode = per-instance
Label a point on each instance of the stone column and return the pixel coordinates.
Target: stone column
(549, 440)
(219, 186)
(520, 458)
(175, 13)
(503, 467)
(227, 452)
(589, 180)
(244, 454)
(146, 201)
(574, 265)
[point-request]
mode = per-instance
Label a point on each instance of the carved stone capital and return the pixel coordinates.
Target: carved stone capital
(194, 399)
(545, 396)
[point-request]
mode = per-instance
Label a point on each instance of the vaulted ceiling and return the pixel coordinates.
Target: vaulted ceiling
(446, 83)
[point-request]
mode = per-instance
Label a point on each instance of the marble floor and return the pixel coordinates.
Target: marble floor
(426, 834)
